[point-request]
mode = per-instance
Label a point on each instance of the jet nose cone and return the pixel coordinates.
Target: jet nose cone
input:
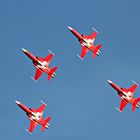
(110, 82)
(70, 28)
(24, 50)
(17, 102)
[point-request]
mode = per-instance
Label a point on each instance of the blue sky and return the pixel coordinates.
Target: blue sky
(80, 101)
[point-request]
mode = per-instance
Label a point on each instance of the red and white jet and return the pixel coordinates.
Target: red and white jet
(87, 43)
(42, 65)
(35, 116)
(126, 96)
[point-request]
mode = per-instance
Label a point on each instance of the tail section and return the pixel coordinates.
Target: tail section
(96, 51)
(52, 73)
(46, 123)
(135, 104)
(98, 47)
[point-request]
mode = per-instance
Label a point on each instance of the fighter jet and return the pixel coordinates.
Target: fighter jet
(126, 96)
(35, 116)
(87, 43)
(42, 65)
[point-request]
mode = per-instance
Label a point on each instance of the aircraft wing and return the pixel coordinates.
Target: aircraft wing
(38, 74)
(84, 52)
(97, 48)
(41, 109)
(48, 58)
(32, 126)
(133, 88)
(46, 121)
(93, 36)
(123, 104)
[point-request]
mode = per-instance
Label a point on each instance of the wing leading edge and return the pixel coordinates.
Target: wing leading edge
(84, 52)
(123, 104)
(32, 126)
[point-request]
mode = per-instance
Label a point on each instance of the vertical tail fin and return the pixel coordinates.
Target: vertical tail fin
(134, 105)
(46, 123)
(51, 73)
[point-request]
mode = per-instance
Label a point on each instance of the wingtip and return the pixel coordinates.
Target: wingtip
(80, 57)
(43, 102)
(118, 109)
(51, 52)
(34, 79)
(94, 29)
(135, 83)
(28, 131)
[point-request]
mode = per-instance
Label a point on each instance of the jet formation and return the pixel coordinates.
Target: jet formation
(35, 116)
(42, 65)
(87, 43)
(126, 96)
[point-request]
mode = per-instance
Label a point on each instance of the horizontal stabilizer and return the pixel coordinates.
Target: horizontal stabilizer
(46, 125)
(52, 71)
(99, 47)
(96, 51)
(134, 105)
